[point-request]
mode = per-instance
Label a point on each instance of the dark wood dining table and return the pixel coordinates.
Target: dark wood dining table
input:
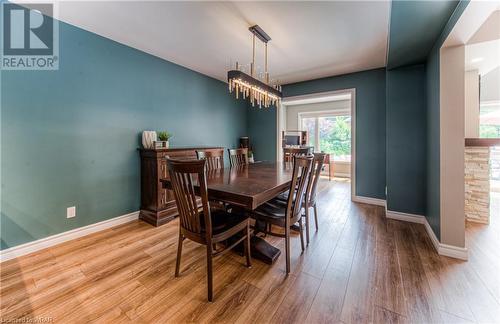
(249, 186)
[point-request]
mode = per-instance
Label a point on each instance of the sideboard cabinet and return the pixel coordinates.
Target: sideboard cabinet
(158, 204)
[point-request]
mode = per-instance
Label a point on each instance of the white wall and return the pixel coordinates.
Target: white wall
(292, 112)
(452, 152)
(472, 104)
(490, 84)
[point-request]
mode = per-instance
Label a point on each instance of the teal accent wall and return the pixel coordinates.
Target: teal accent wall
(70, 137)
(406, 140)
(414, 28)
(370, 123)
(433, 210)
(433, 183)
(262, 130)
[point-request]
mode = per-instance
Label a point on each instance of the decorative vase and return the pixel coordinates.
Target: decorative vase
(250, 159)
(148, 139)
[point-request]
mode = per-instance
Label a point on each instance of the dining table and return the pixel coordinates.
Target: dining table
(248, 186)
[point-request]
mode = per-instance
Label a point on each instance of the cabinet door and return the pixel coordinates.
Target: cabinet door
(162, 193)
(166, 197)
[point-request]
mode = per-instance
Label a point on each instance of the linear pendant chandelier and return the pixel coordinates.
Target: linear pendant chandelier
(260, 92)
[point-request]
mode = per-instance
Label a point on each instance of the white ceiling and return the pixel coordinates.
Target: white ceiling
(309, 39)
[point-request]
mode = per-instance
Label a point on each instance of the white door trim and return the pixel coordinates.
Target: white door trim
(319, 96)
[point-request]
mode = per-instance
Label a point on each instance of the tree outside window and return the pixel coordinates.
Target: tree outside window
(333, 134)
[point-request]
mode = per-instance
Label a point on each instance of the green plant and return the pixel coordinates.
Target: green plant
(164, 136)
(250, 154)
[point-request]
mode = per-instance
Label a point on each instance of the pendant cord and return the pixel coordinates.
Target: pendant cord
(267, 72)
(252, 68)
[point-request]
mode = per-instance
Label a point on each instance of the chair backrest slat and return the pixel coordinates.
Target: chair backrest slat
(312, 184)
(183, 185)
(215, 158)
(238, 156)
(290, 152)
(301, 169)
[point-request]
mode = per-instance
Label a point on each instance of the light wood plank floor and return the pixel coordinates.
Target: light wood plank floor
(359, 267)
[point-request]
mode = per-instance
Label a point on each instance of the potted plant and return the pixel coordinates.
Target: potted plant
(163, 138)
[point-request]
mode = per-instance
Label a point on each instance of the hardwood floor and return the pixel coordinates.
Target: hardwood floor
(359, 267)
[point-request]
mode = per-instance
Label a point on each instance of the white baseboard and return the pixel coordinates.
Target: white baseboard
(405, 217)
(442, 249)
(432, 236)
(368, 200)
(30, 247)
(452, 251)
(341, 175)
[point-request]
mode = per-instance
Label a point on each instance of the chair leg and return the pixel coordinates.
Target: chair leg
(301, 230)
(179, 253)
(247, 247)
(209, 273)
(287, 248)
(316, 216)
(307, 224)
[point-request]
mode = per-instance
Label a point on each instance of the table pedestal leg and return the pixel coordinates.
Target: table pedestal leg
(260, 248)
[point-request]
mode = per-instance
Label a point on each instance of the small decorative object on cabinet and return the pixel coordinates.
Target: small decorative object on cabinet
(163, 140)
(158, 204)
(148, 139)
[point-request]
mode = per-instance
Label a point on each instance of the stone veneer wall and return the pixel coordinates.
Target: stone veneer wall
(477, 184)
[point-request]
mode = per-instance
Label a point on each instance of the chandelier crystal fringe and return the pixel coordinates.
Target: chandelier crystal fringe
(260, 92)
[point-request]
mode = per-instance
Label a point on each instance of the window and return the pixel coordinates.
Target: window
(329, 133)
(489, 117)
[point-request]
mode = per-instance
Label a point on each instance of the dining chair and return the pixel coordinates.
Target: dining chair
(290, 152)
(202, 225)
(215, 158)
(287, 215)
(312, 185)
(238, 156)
(310, 198)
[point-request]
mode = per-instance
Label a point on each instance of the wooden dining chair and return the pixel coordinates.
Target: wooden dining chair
(310, 198)
(238, 156)
(287, 215)
(312, 185)
(215, 158)
(202, 225)
(290, 152)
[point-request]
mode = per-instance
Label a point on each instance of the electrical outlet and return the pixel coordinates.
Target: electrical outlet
(70, 212)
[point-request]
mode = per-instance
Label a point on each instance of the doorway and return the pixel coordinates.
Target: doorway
(329, 120)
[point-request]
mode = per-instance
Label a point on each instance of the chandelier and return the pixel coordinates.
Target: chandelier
(260, 92)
